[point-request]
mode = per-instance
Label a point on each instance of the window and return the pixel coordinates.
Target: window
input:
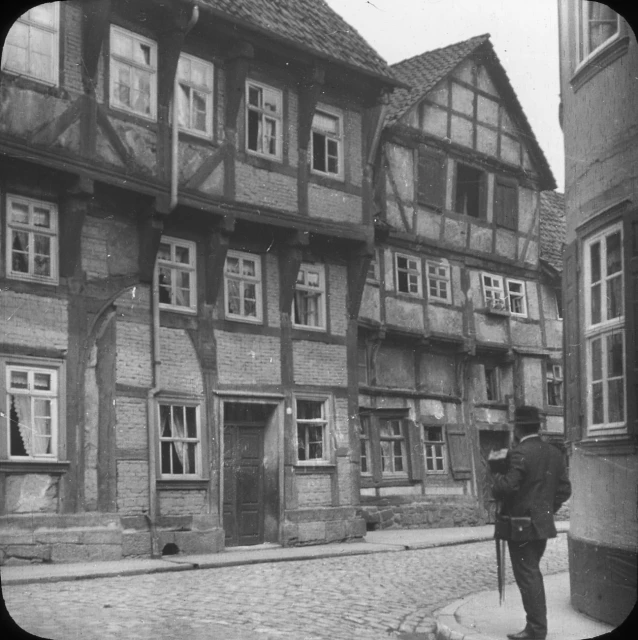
(492, 383)
(554, 377)
(195, 96)
(506, 204)
(32, 240)
(365, 460)
(394, 458)
(176, 275)
(408, 274)
(599, 26)
(434, 450)
(242, 286)
(309, 302)
(362, 362)
(439, 286)
(32, 412)
(469, 190)
(263, 120)
(133, 73)
(516, 299)
(604, 329)
(373, 269)
(179, 440)
(493, 292)
(312, 426)
(32, 45)
(327, 139)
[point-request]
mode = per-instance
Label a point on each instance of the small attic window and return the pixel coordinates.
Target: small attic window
(469, 189)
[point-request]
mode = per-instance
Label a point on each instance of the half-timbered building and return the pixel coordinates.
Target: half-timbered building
(187, 224)
(458, 323)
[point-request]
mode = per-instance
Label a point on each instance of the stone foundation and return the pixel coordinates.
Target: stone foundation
(322, 525)
(416, 512)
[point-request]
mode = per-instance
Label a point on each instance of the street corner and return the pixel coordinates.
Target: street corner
(448, 626)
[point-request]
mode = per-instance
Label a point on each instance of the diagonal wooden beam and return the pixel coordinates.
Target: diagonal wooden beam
(357, 269)
(207, 167)
(111, 134)
(48, 133)
(395, 191)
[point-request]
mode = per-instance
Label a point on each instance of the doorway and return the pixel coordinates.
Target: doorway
(244, 486)
(488, 441)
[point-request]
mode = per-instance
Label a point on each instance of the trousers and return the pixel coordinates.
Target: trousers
(526, 557)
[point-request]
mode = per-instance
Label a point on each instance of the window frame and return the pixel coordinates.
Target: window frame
(52, 233)
(322, 296)
(554, 379)
(522, 296)
(428, 446)
(338, 139)
(199, 448)
(209, 92)
(491, 288)
(325, 420)
(257, 280)
(152, 70)
(55, 396)
(55, 52)
(374, 277)
(409, 271)
(439, 264)
(191, 268)
(278, 117)
(481, 189)
(492, 372)
(604, 329)
(584, 53)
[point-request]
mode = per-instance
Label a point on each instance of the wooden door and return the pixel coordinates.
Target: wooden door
(243, 485)
(489, 440)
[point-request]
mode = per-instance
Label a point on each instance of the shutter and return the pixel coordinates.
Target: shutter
(499, 205)
(571, 344)
(459, 452)
(483, 196)
(375, 449)
(631, 318)
(431, 179)
(415, 448)
(506, 204)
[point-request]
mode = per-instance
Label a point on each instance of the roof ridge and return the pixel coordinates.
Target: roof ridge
(483, 36)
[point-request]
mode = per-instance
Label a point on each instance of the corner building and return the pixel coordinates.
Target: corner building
(186, 227)
(460, 320)
(599, 116)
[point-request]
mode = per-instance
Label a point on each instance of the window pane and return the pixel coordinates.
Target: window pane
(614, 253)
(312, 279)
(614, 355)
(199, 108)
(191, 422)
(165, 421)
(614, 297)
(166, 457)
(318, 152)
(182, 254)
(19, 213)
(41, 259)
(308, 410)
(616, 400)
(232, 265)
(234, 299)
(121, 45)
(254, 126)
(19, 380)
(594, 252)
(20, 252)
(598, 416)
(164, 251)
(42, 381)
(301, 442)
(248, 268)
(43, 14)
(595, 304)
(325, 122)
(183, 108)
(596, 360)
(41, 217)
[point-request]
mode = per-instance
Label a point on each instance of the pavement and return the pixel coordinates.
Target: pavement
(472, 618)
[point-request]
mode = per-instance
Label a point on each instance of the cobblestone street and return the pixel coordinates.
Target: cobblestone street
(377, 596)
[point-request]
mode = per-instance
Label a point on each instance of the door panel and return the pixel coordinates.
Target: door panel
(243, 485)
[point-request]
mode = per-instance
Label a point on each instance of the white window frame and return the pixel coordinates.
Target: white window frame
(373, 270)
(263, 114)
(52, 395)
(431, 453)
(174, 266)
(32, 230)
(402, 439)
(413, 270)
(554, 378)
(494, 291)
(27, 19)
(302, 287)
(329, 136)
(183, 404)
(585, 54)
(324, 421)
(521, 295)
(117, 60)
(437, 279)
(243, 280)
(205, 89)
(603, 330)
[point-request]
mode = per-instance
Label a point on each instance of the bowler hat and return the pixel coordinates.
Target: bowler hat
(527, 416)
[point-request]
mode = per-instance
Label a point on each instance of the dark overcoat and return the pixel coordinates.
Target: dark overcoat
(535, 486)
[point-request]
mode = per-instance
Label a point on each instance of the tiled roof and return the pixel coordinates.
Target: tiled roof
(552, 228)
(309, 24)
(424, 71)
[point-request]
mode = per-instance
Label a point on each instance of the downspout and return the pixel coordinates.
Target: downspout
(151, 410)
(175, 124)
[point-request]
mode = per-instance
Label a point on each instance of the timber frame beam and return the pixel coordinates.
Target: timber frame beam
(290, 259)
(96, 16)
(218, 241)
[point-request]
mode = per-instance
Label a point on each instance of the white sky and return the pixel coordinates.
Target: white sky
(524, 34)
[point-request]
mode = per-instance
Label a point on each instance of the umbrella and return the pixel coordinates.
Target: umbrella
(500, 569)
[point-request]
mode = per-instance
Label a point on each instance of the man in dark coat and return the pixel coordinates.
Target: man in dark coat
(531, 492)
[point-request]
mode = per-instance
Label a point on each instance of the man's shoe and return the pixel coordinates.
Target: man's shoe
(525, 634)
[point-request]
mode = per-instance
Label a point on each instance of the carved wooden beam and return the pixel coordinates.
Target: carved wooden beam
(236, 70)
(150, 227)
(310, 90)
(358, 265)
(74, 207)
(290, 259)
(373, 121)
(96, 16)
(216, 250)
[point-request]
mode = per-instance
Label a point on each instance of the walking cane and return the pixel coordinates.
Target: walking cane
(497, 461)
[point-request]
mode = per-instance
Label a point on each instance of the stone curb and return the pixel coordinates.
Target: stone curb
(447, 627)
